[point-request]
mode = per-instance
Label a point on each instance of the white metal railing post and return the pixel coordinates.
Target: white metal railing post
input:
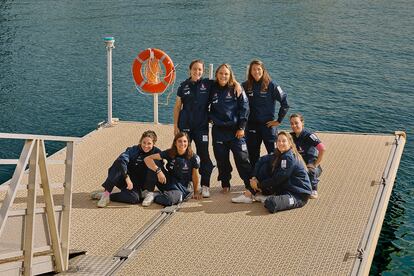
(210, 71)
(109, 42)
(156, 109)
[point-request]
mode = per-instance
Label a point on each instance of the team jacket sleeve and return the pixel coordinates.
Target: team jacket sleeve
(123, 159)
(312, 139)
(180, 90)
(195, 161)
(281, 97)
(282, 174)
(244, 110)
(261, 162)
(164, 154)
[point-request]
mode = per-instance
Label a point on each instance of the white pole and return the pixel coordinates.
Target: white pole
(156, 109)
(109, 42)
(210, 71)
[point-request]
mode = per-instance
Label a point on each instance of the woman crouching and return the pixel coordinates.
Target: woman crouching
(281, 178)
(174, 181)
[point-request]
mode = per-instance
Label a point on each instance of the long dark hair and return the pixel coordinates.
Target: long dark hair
(173, 151)
(277, 156)
(265, 78)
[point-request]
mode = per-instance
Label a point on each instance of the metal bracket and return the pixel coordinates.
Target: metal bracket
(124, 253)
(358, 255)
(170, 209)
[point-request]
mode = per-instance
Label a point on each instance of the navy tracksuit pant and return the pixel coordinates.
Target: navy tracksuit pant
(278, 198)
(116, 178)
(171, 193)
(314, 174)
(224, 141)
(200, 139)
(256, 134)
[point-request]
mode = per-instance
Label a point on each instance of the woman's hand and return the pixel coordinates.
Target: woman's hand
(253, 183)
(240, 133)
(161, 178)
(311, 166)
(196, 195)
(272, 124)
(129, 183)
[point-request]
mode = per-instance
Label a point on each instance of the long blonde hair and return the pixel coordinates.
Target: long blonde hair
(278, 154)
(232, 79)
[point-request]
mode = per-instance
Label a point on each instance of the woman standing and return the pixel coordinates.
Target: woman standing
(280, 177)
(228, 112)
(310, 147)
(191, 116)
(262, 125)
(181, 169)
(130, 174)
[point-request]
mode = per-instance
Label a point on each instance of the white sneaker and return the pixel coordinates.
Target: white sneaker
(205, 191)
(260, 197)
(314, 194)
(96, 195)
(104, 201)
(242, 199)
(149, 198)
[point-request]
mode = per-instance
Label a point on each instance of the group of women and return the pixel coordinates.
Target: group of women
(242, 117)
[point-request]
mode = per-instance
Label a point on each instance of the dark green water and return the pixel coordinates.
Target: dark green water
(346, 65)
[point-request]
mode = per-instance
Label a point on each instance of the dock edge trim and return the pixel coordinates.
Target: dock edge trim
(369, 241)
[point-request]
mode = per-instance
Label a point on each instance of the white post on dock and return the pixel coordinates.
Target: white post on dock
(109, 42)
(210, 71)
(156, 109)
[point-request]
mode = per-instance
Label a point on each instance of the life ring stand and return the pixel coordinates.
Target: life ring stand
(137, 73)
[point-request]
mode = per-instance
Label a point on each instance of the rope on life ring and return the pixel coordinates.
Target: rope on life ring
(149, 80)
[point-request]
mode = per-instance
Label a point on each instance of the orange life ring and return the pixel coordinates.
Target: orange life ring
(153, 84)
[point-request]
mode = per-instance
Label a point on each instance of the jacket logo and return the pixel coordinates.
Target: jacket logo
(283, 164)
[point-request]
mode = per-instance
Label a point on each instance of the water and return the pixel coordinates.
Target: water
(347, 66)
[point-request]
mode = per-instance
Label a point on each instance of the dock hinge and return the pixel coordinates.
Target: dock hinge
(358, 255)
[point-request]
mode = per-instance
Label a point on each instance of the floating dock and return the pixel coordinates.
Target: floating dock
(335, 234)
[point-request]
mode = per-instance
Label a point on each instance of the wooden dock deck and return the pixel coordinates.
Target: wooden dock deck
(335, 234)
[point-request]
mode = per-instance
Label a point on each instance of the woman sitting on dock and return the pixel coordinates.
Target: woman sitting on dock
(228, 112)
(281, 178)
(310, 147)
(181, 169)
(130, 174)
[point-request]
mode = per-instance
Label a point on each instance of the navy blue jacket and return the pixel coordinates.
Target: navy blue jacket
(179, 169)
(263, 103)
(226, 109)
(290, 175)
(131, 161)
(195, 99)
(306, 144)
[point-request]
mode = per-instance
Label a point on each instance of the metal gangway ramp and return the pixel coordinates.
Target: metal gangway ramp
(335, 234)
